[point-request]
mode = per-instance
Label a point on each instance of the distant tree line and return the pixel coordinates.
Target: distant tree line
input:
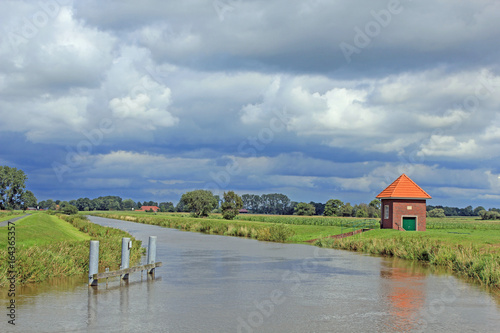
(280, 204)
(455, 211)
(273, 203)
(105, 203)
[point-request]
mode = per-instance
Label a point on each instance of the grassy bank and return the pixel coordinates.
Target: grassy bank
(468, 246)
(50, 246)
(479, 262)
(299, 229)
(257, 230)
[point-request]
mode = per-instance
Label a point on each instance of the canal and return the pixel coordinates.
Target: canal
(224, 284)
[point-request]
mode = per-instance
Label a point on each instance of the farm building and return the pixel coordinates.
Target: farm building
(403, 205)
(148, 209)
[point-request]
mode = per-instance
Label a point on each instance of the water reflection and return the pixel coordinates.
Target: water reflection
(404, 293)
(91, 306)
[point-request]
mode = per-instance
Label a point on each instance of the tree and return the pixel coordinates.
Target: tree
(219, 200)
(114, 205)
(128, 204)
(360, 210)
(166, 207)
(333, 207)
(467, 211)
(373, 212)
(231, 205)
(181, 206)
(319, 207)
(346, 210)
(252, 202)
(291, 208)
(12, 185)
(282, 203)
(67, 208)
(375, 203)
(436, 212)
(489, 215)
(199, 202)
(28, 199)
(303, 208)
(47, 204)
(83, 204)
(477, 210)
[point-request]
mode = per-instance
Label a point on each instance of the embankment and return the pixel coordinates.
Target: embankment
(46, 247)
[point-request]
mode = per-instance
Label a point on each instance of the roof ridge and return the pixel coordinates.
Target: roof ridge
(404, 187)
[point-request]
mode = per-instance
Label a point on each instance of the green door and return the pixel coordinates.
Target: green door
(410, 223)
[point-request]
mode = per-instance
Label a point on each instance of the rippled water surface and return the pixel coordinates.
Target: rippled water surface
(225, 284)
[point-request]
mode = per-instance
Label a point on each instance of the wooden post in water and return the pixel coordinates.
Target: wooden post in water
(93, 262)
(151, 252)
(126, 246)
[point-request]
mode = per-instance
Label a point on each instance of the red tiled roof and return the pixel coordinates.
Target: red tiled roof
(404, 187)
(146, 208)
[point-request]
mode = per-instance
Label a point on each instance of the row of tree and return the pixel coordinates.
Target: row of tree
(274, 203)
(280, 204)
(492, 214)
(455, 211)
(105, 203)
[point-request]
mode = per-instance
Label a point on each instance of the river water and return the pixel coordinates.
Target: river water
(224, 284)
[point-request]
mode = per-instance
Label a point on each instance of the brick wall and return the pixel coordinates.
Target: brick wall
(404, 207)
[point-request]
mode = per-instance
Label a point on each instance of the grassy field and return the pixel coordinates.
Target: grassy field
(41, 229)
(469, 246)
(49, 246)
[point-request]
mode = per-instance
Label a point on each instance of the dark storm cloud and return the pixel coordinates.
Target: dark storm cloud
(315, 99)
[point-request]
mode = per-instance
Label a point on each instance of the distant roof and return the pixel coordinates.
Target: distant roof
(404, 187)
(148, 208)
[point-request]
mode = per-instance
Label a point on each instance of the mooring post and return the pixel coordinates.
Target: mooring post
(93, 262)
(151, 252)
(126, 246)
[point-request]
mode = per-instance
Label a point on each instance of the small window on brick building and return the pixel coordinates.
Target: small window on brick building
(409, 207)
(386, 211)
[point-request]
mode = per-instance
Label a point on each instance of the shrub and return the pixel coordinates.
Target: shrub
(280, 233)
(69, 210)
(436, 212)
(489, 215)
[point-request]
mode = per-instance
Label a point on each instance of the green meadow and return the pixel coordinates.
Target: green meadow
(49, 246)
(40, 229)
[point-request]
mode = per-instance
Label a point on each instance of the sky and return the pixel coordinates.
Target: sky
(315, 99)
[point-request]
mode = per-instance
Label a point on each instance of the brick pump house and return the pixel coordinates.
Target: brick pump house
(403, 205)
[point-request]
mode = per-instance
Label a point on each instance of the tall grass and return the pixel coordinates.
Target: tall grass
(260, 231)
(462, 223)
(36, 263)
(312, 220)
(469, 260)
